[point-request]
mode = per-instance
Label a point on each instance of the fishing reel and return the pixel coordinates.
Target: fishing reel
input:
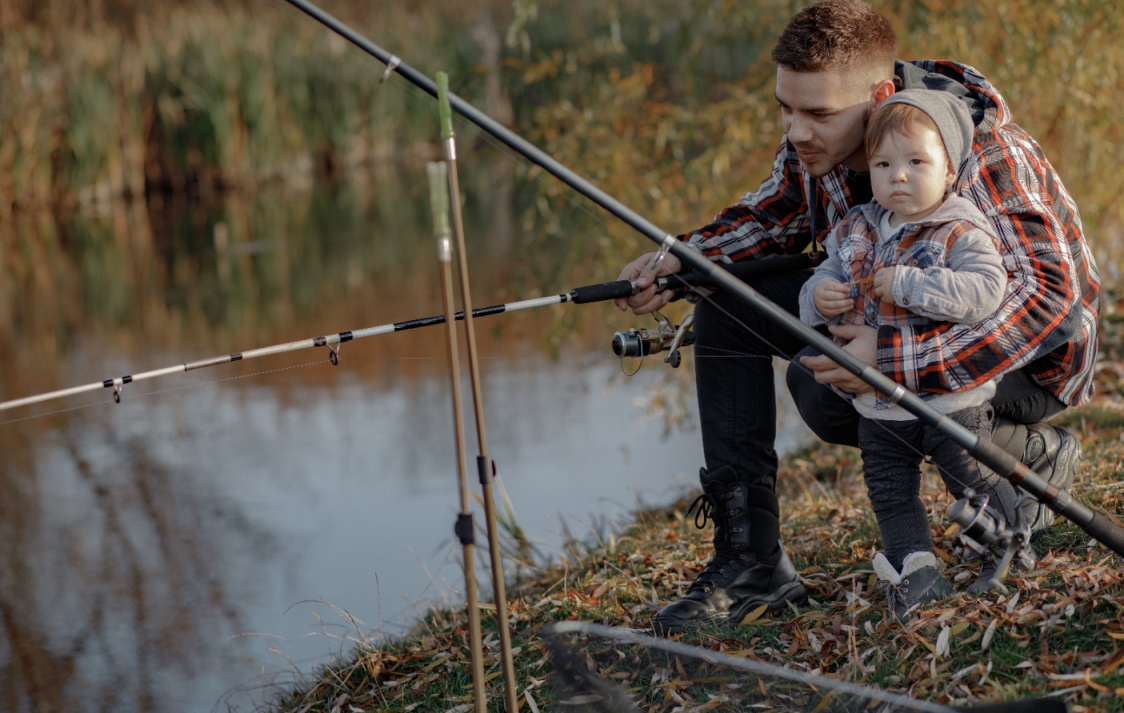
(982, 529)
(666, 336)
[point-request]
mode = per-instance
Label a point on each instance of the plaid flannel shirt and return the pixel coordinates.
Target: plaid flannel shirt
(1048, 317)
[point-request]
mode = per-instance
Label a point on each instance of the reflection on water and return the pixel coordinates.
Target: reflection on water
(188, 546)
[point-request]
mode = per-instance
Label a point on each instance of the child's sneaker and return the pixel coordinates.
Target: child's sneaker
(919, 581)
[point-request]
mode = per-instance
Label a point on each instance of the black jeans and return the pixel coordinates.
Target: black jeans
(734, 346)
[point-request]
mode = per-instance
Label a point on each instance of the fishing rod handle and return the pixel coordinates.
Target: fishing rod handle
(602, 292)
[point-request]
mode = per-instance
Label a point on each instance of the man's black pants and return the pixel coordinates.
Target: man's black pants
(734, 346)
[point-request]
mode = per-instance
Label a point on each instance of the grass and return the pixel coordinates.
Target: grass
(1059, 632)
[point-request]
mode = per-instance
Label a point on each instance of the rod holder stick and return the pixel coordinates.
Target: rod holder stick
(439, 202)
(445, 113)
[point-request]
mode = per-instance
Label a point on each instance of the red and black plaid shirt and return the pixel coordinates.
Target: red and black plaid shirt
(1048, 317)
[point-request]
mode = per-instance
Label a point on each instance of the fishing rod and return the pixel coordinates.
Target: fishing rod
(1095, 523)
(587, 294)
(464, 528)
(484, 462)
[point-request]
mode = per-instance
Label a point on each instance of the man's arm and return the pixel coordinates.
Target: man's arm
(769, 221)
(773, 220)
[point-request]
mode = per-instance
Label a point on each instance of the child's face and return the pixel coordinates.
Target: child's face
(909, 174)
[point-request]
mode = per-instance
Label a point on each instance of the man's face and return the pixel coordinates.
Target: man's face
(824, 115)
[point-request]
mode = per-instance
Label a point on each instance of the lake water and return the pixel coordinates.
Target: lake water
(210, 538)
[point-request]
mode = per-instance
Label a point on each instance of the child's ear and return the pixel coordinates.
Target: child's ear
(949, 174)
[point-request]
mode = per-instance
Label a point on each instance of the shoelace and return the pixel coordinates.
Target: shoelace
(716, 569)
(705, 511)
(893, 594)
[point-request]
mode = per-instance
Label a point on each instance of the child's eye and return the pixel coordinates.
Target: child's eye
(916, 162)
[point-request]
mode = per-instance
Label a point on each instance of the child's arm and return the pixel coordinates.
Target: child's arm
(824, 280)
(967, 291)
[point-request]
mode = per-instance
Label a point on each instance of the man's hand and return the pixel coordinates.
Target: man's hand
(884, 284)
(863, 345)
(645, 273)
(832, 298)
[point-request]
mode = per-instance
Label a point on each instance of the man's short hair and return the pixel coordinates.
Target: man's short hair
(837, 34)
(895, 119)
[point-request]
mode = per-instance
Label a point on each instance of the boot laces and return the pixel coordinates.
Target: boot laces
(721, 568)
(894, 595)
(705, 510)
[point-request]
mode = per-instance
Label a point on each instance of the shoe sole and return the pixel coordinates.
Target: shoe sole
(778, 600)
(791, 593)
(1069, 456)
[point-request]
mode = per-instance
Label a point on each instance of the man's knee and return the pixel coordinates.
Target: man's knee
(831, 417)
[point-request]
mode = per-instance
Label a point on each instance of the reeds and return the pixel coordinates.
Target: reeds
(202, 97)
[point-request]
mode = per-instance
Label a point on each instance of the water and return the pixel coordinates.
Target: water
(211, 538)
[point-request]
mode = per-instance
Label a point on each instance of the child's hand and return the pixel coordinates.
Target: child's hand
(832, 298)
(884, 284)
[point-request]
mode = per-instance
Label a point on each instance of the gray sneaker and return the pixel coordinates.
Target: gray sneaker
(1054, 453)
(919, 582)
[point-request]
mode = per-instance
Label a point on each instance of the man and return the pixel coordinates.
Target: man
(835, 63)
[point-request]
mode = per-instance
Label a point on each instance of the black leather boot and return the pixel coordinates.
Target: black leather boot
(740, 577)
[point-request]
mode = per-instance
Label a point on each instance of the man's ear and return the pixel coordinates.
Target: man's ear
(881, 91)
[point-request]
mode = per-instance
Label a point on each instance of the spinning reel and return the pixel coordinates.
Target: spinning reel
(982, 529)
(666, 336)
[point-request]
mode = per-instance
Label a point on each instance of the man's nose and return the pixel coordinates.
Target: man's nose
(799, 130)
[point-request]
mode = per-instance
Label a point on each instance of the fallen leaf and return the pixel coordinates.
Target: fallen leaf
(754, 615)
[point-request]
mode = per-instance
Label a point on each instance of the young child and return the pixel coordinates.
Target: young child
(917, 255)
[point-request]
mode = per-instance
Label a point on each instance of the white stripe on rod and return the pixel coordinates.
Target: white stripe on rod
(330, 340)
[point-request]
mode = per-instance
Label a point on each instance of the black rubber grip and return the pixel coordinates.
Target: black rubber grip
(1106, 532)
(464, 529)
(602, 292)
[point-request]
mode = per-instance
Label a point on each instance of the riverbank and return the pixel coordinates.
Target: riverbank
(1058, 633)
